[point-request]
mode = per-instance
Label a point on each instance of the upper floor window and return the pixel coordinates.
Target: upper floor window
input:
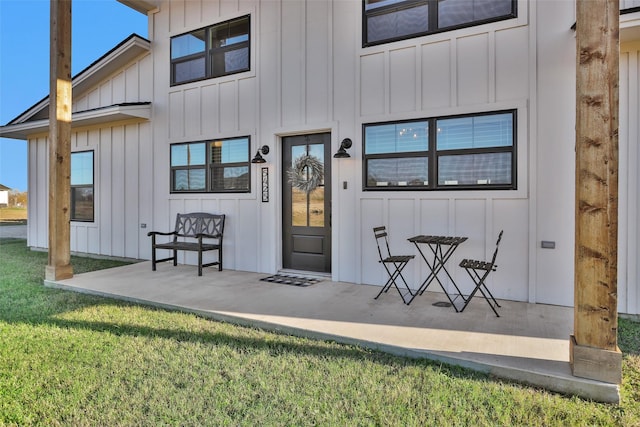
(82, 206)
(209, 52)
(391, 20)
(469, 152)
(217, 166)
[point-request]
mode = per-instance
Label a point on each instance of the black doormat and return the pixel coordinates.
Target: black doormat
(291, 279)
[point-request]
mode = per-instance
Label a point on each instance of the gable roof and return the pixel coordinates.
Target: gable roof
(4, 187)
(36, 118)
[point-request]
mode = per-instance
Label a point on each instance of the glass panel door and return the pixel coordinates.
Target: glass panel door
(307, 203)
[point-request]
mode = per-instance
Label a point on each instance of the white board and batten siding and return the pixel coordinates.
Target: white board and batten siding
(217, 108)
(629, 180)
(122, 171)
(309, 73)
(483, 68)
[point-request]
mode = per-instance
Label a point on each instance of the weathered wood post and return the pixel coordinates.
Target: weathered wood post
(59, 266)
(594, 349)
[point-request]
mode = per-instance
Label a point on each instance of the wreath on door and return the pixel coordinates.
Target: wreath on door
(306, 173)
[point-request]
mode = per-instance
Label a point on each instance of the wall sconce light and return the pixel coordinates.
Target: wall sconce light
(342, 151)
(258, 158)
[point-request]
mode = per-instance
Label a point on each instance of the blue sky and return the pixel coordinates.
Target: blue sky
(97, 27)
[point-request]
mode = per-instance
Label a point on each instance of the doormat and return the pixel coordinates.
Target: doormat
(290, 279)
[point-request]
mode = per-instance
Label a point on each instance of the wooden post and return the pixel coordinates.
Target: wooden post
(59, 266)
(593, 347)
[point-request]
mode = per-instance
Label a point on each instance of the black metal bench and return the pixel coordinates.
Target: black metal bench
(189, 227)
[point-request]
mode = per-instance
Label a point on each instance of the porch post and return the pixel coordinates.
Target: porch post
(59, 266)
(594, 352)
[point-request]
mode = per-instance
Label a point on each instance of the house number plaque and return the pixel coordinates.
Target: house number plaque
(265, 185)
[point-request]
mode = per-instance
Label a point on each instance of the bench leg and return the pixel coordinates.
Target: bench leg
(220, 259)
(199, 263)
(153, 252)
(175, 258)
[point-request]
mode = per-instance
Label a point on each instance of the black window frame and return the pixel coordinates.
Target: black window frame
(75, 187)
(433, 155)
(210, 51)
(211, 167)
(431, 19)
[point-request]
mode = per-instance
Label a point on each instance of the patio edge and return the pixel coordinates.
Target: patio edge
(583, 388)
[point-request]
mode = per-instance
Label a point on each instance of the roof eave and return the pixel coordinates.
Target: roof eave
(99, 116)
(142, 6)
(131, 48)
(630, 26)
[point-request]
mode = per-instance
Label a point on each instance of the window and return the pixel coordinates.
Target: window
(391, 20)
(82, 206)
(214, 51)
(468, 152)
(217, 166)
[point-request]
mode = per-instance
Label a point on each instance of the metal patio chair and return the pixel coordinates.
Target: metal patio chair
(478, 271)
(399, 262)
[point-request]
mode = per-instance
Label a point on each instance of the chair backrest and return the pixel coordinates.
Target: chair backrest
(495, 253)
(381, 233)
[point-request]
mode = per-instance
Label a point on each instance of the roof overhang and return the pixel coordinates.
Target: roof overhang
(142, 6)
(99, 116)
(114, 60)
(630, 27)
(121, 55)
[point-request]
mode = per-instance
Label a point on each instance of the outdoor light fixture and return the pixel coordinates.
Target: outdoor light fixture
(342, 151)
(258, 158)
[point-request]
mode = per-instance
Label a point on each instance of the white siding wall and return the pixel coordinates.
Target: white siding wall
(629, 180)
(122, 164)
(554, 167)
(131, 84)
(216, 108)
(482, 68)
(309, 73)
(38, 192)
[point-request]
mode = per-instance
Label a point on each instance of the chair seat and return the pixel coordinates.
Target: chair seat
(476, 265)
(398, 258)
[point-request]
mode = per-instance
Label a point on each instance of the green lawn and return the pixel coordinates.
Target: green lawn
(12, 216)
(73, 359)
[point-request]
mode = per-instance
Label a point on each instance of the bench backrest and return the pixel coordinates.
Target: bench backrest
(192, 224)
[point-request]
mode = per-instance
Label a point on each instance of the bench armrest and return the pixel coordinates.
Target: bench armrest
(160, 233)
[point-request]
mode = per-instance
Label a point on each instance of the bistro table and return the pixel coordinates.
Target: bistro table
(442, 247)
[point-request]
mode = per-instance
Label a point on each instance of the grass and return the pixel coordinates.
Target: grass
(74, 359)
(13, 216)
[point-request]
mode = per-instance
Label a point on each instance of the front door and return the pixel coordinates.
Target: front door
(306, 210)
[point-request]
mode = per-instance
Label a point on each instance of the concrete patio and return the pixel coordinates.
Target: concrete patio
(529, 343)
